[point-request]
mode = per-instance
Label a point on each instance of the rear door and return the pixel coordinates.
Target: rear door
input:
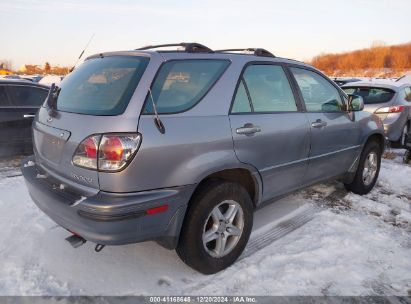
(335, 135)
(6, 123)
(269, 129)
(25, 101)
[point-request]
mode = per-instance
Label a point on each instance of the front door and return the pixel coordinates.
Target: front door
(335, 134)
(269, 130)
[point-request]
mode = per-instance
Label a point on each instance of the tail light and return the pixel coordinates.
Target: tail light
(107, 152)
(86, 153)
(392, 109)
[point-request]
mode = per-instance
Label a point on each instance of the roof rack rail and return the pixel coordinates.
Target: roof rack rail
(189, 47)
(252, 51)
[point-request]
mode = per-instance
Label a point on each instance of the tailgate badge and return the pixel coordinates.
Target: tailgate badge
(82, 178)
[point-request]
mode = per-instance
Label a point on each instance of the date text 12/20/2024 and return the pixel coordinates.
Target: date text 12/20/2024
(203, 299)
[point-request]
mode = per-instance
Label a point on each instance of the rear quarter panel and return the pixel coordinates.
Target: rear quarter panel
(190, 149)
(369, 124)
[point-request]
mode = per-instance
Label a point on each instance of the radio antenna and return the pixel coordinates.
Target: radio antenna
(82, 52)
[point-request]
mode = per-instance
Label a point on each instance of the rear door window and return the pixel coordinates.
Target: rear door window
(181, 84)
(241, 104)
(371, 95)
(27, 96)
(101, 86)
(264, 88)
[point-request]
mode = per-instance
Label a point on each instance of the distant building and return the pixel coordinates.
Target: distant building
(4, 71)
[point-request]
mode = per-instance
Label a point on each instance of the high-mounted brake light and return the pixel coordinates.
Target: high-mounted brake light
(107, 152)
(392, 109)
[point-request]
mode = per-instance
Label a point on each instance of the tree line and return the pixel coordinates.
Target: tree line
(378, 60)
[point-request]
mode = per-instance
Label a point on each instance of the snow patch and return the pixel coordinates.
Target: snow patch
(83, 198)
(29, 164)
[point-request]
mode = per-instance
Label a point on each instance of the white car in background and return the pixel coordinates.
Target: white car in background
(49, 79)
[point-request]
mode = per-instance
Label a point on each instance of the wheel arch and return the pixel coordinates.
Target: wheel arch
(247, 177)
(378, 138)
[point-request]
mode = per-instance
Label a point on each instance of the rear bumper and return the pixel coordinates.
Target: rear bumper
(110, 218)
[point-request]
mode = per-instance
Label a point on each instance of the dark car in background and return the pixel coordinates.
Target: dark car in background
(19, 103)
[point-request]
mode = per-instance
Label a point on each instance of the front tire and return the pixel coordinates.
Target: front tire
(217, 227)
(367, 171)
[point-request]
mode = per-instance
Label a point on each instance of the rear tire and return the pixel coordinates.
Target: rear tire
(404, 135)
(402, 141)
(367, 171)
(217, 226)
(407, 157)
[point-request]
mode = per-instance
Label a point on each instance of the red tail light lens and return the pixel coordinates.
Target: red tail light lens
(392, 109)
(112, 148)
(86, 153)
(90, 147)
(107, 152)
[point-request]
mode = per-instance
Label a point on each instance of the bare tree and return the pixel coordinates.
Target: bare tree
(6, 64)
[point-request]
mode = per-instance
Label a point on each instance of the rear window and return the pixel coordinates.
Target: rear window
(371, 95)
(101, 86)
(181, 84)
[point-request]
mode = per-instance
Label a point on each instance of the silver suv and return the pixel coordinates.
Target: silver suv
(182, 146)
(391, 102)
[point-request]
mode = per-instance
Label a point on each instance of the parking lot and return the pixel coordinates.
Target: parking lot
(319, 241)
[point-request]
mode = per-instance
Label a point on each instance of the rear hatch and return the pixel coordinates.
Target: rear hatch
(92, 100)
(374, 98)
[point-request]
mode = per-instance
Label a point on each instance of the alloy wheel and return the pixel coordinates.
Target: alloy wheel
(223, 228)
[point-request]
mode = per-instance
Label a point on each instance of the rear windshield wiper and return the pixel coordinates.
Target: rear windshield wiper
(51, 100)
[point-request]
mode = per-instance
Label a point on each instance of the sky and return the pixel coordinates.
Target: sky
(36, 31)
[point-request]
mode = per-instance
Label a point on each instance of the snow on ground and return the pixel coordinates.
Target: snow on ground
(352, 246)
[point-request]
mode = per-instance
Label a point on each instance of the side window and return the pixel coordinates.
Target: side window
(407, 92)
(319, 94)
(181, 84)
(3, 97)
(268, 88)
(241, 102)
(26, 96)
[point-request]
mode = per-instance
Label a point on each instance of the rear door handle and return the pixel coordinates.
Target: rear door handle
(319, 124)
(29, 115)
(248, 129)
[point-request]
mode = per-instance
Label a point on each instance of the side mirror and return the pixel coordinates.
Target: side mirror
(355, 103)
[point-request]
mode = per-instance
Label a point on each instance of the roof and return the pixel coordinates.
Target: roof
(377, 83)
(199, 51)
(23, 82)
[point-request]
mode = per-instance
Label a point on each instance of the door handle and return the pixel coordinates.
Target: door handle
(248, 129)
(319, 124)
(29, 115)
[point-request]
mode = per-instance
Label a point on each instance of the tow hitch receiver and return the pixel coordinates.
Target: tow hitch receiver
(75, 240)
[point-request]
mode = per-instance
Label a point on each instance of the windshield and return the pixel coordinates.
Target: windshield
(371, 95)
(101, 86)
